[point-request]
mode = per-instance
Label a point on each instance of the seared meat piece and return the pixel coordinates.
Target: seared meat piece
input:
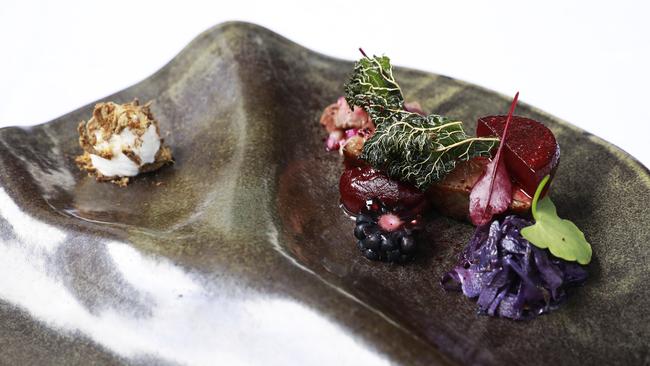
(450, 196)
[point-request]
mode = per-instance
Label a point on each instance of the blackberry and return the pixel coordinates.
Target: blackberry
(383, 235)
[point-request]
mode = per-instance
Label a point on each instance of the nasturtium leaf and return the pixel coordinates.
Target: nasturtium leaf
(562, 237)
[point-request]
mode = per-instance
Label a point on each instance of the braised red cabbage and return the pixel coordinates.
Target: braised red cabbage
(511, 277)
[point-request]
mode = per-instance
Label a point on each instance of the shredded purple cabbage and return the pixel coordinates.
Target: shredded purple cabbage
(511, 277)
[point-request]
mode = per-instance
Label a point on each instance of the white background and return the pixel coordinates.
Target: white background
(585, 62)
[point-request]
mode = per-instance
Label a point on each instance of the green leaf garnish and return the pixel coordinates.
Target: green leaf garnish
(407, 146)
(373, 86)
(562, 237)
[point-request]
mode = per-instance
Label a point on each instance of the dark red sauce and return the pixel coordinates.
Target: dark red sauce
(363, 183)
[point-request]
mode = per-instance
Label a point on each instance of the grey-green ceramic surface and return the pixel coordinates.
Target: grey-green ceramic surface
(239, 254)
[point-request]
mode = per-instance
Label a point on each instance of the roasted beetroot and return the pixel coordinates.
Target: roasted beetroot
(530, 150)
(357, 185)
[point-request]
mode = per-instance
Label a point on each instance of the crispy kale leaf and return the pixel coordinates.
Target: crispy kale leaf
(373, 87)
(407, 146)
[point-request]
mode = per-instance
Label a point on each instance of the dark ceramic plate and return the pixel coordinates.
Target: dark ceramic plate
(239, 254)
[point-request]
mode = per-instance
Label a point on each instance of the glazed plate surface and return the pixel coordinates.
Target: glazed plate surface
(239, 253)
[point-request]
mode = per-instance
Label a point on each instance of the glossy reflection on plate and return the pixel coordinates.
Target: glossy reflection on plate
(239, 252)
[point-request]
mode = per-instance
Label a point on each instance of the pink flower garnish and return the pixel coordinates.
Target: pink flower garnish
(492, 193)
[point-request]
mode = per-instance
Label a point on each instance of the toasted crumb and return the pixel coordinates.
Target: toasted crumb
(120, 137)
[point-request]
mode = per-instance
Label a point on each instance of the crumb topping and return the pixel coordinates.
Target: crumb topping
(121, 129)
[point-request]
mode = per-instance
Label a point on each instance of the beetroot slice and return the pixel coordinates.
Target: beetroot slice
(530, 150)
(363, 183)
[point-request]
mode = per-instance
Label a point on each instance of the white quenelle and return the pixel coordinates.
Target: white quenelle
(121, 141)
(121, 165)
